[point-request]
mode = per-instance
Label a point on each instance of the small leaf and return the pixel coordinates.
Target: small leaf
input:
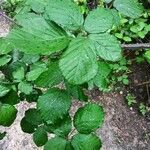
(19, 74)
(89, 118)
(147, 55)
(69, 14)
(98, 20)
(86, 142)
(54, 105)
(51, 77)
(56, 143)
(130, 8)
(3, 90)
(2, 135)
(78, 64)
(4, 60)
(40, 136)
(7, 114)
(26, 126)
(107, 46)
(25, 87)
(33, 117)
(62, 128)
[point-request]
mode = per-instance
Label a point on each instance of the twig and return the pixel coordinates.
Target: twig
(136, 46)
(147, 82)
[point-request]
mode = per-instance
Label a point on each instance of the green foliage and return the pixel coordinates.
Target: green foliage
(130, 99)
(88, 118)
(147, 56)
(144, 109)
(54, 51)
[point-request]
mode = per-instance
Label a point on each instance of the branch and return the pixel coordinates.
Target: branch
(136, 46)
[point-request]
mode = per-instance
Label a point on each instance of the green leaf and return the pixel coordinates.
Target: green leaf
(33, 116)
(62, 128)
(56, 143)
(54, 105)
(2, 135)
(26, 126)
(98, 20)
(116, 17)
(86, 142)
(76, 91)
(4, 60)
(37, 5)
(37, 36)
(65, 13)
(11, 98)
(107, 46)
(100, 80)
(40, 137)
(107, 1)
(130, 8)
(25, 87)
(79, 64)
(36, 70)
(3, 90)
(5, 46)
(51, 77)
(7, 114)
(19, 74)
(147, 56)
(88, 118)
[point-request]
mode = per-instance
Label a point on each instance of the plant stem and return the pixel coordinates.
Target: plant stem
(136, 46)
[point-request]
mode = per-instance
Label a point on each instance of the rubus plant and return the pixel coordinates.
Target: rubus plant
(51, 54)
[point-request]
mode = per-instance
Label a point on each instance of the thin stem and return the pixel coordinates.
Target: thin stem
(136, 46)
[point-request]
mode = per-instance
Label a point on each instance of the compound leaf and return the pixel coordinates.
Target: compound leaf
(79, 64)
(89, 118)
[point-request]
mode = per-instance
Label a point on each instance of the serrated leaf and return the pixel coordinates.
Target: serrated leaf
(53, 105)
(116, 17)
(62, 128)
(56, 143)
(69, 16)
(3, 90)
(33, 117)
(7, 114)
(98, 20)
(107, 46)
(4, 60)
(130, 8)
(89, 118)
(86, 142)
(51, 77)
(26, 126)
(37, 36)
(40, 136)
(25, 87)
(78, 64)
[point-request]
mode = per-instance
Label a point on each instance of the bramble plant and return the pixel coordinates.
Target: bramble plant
(51, 54)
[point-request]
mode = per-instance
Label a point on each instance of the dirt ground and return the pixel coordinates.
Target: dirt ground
(124, 128)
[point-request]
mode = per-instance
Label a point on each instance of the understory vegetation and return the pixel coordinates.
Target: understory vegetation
(57, 50)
